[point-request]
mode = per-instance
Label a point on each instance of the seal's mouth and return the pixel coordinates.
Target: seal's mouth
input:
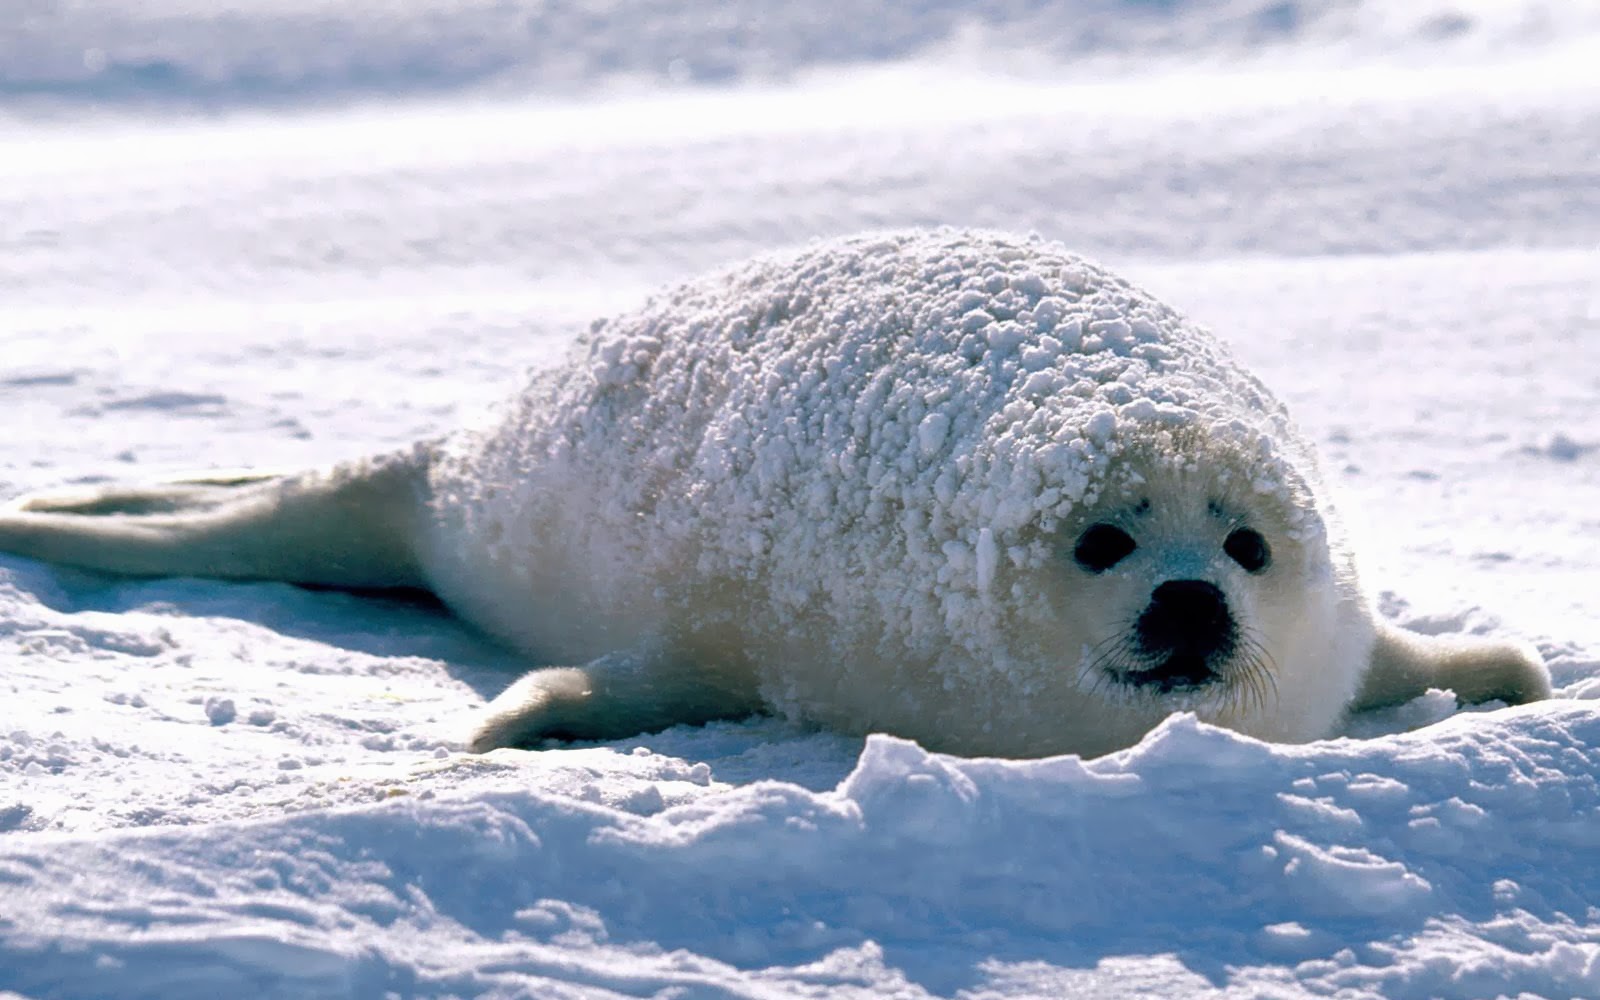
(1181, 671)
(1182, 638)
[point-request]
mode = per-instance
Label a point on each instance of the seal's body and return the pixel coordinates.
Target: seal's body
(961, 487)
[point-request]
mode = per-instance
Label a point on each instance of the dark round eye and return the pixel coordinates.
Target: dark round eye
(1102, 546)
(1247, 548)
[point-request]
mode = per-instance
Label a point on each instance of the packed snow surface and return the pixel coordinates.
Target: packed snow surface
(282, 234)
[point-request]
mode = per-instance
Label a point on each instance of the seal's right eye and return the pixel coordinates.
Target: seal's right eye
(1102, 546)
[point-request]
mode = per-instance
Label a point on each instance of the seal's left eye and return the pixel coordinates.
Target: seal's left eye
(1246, 547)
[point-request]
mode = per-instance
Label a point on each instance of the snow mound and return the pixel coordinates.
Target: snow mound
(1454, 863)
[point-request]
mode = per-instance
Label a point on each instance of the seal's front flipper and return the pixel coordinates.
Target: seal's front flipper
(1406, 664)
(616, 696)
(351, 526)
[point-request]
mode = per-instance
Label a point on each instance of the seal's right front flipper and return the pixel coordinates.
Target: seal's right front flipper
(616, 696)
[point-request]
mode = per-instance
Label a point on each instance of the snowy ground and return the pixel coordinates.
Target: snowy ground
(283, 233)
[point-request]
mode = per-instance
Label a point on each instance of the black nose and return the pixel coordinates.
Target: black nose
(1187, 616)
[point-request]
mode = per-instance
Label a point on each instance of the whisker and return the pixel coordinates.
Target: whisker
(1247, 682)
(1256, 674)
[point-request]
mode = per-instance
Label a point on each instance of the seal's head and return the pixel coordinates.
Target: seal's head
(1185, 588)
(1200, 578)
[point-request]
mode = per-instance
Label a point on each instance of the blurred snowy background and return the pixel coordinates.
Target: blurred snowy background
(285, 232)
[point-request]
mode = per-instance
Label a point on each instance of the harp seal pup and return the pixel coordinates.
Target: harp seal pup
(963, 487)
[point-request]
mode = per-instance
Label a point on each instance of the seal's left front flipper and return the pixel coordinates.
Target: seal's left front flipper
(1406, 664)
(618, 695)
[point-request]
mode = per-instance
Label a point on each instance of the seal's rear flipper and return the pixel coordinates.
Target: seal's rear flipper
(618, 695)
(1406, 664)
(351, 526)
(189, 494)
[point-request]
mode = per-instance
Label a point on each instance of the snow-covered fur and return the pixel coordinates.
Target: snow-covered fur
(850, 484)
(858, 472)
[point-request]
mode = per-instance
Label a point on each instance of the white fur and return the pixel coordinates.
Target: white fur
(845, 484)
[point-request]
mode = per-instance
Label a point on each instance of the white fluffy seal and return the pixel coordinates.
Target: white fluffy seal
(966, 488)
